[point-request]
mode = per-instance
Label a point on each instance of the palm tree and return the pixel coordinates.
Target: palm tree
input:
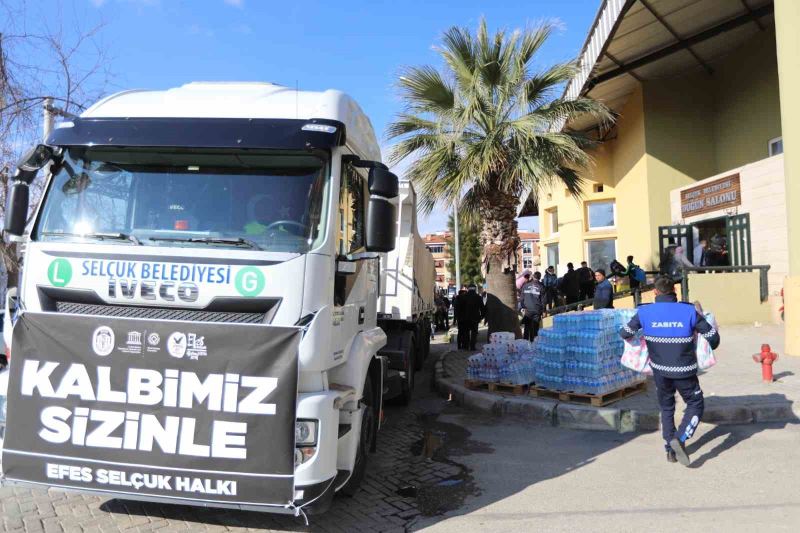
(486, 129)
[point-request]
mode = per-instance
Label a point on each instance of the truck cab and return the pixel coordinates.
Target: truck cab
(235, 203)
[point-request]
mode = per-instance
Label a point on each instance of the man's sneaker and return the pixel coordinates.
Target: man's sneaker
(671, 456)
(680, 452)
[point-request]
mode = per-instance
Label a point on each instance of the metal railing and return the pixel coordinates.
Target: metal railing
(648, 285)
(763, 281)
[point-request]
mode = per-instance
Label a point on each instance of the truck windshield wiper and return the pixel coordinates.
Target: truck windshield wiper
(98, 235)
(210, 240)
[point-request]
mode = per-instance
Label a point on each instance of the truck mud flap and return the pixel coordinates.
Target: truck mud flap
(188, 412)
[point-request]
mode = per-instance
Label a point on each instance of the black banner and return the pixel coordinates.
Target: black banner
(183, 410)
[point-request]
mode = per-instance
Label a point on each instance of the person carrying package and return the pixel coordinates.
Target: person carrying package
(531, 303)
(669, 328)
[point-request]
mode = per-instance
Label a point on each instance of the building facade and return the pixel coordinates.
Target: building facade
(697, 149)
(436, 243)
(528, 251)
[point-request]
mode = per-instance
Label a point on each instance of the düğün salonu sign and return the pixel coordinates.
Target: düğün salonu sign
(713, 196)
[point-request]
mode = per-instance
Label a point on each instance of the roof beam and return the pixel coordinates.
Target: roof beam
(749, 10)
(731, 24)
(619, 63)
(678, 38)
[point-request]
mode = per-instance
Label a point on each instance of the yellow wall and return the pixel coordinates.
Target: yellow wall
(747, 109)
(740, 306)
(629, 166)
(679, 135)
(620, 165)
(787, 15)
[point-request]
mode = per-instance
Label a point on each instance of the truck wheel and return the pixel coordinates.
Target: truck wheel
(364, 442)
(409, 347)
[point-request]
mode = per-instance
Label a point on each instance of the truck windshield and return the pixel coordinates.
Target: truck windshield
(130, 197)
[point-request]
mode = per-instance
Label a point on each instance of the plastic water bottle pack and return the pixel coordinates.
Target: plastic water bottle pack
(581, 352)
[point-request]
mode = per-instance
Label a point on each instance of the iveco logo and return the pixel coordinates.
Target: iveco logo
(168, 291)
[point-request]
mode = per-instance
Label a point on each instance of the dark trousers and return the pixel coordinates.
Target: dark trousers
(692, 394)
(587, 290)
(531, 324)
(549, 297)
(467, 334)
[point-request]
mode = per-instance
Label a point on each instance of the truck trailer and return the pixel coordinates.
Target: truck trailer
(220, 287)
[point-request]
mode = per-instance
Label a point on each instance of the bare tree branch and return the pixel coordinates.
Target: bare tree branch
(68, 65)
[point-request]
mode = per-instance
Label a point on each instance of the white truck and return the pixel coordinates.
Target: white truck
(219, 289)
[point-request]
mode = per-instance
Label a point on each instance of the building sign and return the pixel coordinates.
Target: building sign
(167, 409)
(712, 196)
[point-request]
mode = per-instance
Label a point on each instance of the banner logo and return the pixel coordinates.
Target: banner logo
(176, 344)
(59, 272)
(103, 341)
(249, 281)
(153, 339)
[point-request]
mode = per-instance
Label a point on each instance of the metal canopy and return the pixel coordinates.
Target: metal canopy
(656, 39)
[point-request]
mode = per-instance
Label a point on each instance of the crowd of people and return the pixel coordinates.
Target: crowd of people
(469, 309)
(536, 295)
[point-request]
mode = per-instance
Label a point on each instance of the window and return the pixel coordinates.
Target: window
(600, 253)
(601, 214)
(552, 255)
(527, 247)
(776, 146)
(436, 248)
(352, 209)
(527, 263)
(553, 216)
(193, 198)
(598, 187)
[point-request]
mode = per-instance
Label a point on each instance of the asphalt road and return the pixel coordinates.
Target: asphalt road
(442, 468)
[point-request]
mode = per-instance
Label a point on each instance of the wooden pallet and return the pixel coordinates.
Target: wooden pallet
(508, 388)
(595, 400)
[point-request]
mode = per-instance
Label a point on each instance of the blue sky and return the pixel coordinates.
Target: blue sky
(355, 46)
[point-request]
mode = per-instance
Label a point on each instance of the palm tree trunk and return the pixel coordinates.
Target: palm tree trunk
(498, 211)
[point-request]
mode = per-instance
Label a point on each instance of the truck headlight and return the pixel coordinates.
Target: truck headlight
(305, 433)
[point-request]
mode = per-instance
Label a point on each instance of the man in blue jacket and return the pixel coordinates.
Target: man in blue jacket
(604, 292)
(669, 328)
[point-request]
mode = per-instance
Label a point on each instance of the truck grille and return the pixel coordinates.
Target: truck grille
(159, 313)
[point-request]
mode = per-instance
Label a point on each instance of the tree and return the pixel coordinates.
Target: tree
(470, 247)
(67, 65)
(485, 129)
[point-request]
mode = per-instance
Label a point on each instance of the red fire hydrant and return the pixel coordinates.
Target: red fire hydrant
(767, 357)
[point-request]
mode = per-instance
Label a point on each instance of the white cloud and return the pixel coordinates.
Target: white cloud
(196, 29)
(235, 3)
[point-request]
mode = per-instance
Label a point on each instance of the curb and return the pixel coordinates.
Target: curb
(573, 416)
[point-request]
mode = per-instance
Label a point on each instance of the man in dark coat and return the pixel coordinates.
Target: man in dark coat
(570, 285)
(471, 311)
(458, 312)
(531, 303)
(586, 280)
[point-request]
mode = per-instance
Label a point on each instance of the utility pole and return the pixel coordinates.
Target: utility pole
(458, 247)
(48, 114)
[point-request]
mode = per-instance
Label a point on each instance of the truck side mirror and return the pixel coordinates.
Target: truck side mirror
(19, 190)
(382, 211)
(17, 208)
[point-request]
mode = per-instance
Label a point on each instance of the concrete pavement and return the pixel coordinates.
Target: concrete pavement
(733, 389)
(540, 478)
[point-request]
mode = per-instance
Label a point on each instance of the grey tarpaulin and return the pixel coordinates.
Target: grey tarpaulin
(183, 410)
